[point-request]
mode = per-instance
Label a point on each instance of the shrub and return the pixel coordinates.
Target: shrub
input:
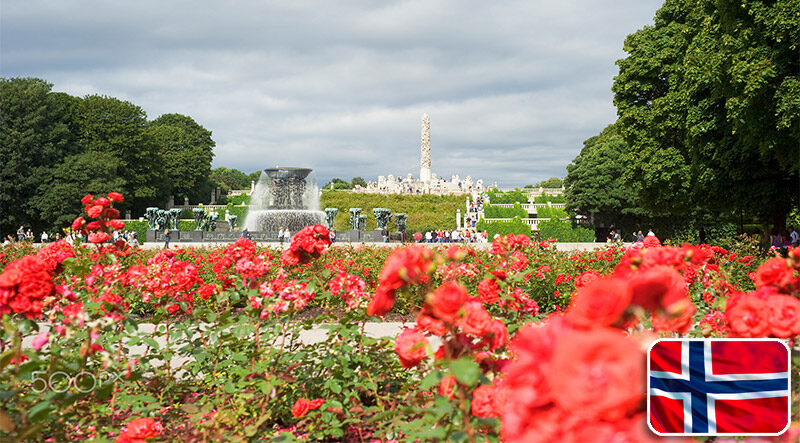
(238, 200)
(515, 196)
(564, 231)
(500, 212)
(548, 212)
(544, 198)
(515, 226)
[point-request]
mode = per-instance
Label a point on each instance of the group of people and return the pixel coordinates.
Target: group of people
(463, 235)
(783, 239)
(27, 236)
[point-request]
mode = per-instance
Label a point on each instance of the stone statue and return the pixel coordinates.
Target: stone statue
(330, 214)
(212, 222)
(199, 216)
(233, 220)
(362, 222)
(400, 219)
(175, 219)
(162, 219)
(151, 214)
(354, 214)
(382, 217)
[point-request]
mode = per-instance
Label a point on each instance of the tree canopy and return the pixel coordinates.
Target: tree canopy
(708, 101)
(55, 148)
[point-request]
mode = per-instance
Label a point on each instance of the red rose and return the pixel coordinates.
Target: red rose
(447, 386)
(748, 315)
(381, 302)
(774, 272)
(77, 224)
(405, 265)
(660, 287)
(301, 407)
(432, 325)
(651, 241)
(476, 320)
(601, 303)
(497, 334)
(98, 237)
(140, 429)
(447, 301)
(586, 278)
(94, 211)
(116, 196)
(411, 346)
(681, 323)
(110, 213)
(599, 373)
(87, 199)
(784, 316)
(488, 290)
(94, 225)
(482, 401)
(102, 201)
(117, 224)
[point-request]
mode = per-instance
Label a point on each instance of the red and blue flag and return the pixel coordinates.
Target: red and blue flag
(718, 387)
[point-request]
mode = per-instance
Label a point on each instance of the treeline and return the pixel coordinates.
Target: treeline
(708, 128)
(55, 148)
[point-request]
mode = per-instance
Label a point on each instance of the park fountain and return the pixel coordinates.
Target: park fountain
(284, 197)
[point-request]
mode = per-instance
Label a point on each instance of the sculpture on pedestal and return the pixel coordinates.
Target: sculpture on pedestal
(330, 214)
(232, 220)
(354, 214)
(175, 219)
(199, 215)
(382, 218)
(400, 219)
(362, 222)
(425, 150)
(151, 215)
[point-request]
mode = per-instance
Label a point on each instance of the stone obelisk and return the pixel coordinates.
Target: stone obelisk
(425, 153)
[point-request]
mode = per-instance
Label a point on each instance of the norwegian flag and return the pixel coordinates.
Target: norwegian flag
(718, 387)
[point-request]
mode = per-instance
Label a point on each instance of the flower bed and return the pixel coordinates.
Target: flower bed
(535, 344)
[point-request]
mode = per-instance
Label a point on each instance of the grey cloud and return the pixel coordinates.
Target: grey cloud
(512, 87)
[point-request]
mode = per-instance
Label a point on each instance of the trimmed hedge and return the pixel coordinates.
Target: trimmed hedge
(515, 226)
(544, 198)
(515, 196)
(564, 232)
(500, 212)
(548, 212)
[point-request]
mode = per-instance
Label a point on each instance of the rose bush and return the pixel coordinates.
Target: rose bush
(520, 342)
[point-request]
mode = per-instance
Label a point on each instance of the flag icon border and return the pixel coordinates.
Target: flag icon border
(685, 396)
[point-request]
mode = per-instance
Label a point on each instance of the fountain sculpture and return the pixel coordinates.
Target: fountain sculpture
(284, 197)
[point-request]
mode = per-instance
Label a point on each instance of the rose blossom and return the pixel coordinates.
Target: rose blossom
(411, 346)
(447, 301)
(774, 272)
(600, 303)
(482, 401)
(784, 318)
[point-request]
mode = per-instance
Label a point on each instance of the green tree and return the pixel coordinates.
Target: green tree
(35, 135)
(79, 174)
(594, 184)
(117, 127)
(359, 181)
(708, 102)
(338, 183)
(552, 182)
(187, 151)
(229, 179)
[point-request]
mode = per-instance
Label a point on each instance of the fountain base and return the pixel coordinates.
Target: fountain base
(269, 221)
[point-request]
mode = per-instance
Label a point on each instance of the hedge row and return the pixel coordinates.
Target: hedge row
(500, 212)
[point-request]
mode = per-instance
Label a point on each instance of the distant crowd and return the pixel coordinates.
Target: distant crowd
(27, 236)
(464, 235)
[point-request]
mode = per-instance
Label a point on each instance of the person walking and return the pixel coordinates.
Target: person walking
(167, 238)
(20, 234)
(45, 237)
(794, 237)
(280, 235)
(134, 242)
(287, 237)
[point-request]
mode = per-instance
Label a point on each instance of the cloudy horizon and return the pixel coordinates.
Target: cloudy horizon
(512, 88)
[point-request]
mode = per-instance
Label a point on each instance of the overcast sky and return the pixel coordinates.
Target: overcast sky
(512, 87)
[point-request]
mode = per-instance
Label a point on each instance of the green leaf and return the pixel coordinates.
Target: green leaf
(466, 370)
(40, 410)
(150, 342)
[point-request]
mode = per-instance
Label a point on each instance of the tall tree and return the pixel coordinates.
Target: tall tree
(117, 127)
(187, 150)
(35, 135)
(708, 101)
(594, 184)
(227, 178)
